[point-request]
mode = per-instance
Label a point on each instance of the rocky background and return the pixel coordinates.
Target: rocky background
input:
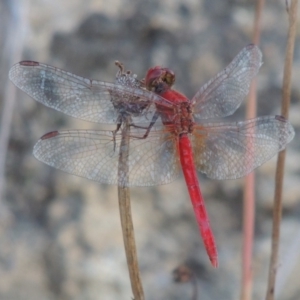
(60, 235)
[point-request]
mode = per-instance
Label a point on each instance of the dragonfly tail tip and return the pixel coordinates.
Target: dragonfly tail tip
(214, 262)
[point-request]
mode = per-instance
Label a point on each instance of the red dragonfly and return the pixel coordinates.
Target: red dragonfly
(167, 129)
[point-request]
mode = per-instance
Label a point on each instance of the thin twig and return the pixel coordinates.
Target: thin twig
(288, 264)
(12, 52)
(281, 157)
(183, 274)
(126, 218)
(249, 189)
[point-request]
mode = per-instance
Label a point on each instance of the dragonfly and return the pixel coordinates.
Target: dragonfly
(168, 131)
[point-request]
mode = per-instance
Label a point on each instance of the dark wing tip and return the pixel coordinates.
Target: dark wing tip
(280, 118)
(29, 63)
(50, 135)
(251, 46)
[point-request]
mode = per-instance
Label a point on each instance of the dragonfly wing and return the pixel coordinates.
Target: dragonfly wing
(232, 150)
(82, 98)
(95, 155)
(223, 94)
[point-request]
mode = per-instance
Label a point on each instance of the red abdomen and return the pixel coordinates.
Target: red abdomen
(191, 179)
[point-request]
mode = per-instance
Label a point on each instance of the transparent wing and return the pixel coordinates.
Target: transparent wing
(94, 155)
(232, 150)
(83, 98)
(223, 94)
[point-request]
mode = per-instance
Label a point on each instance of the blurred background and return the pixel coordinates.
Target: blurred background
(60, 235)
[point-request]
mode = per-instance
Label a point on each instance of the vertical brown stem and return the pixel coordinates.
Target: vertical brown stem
(126, 217)
(16, 26)
(281, 157)
(249, 189)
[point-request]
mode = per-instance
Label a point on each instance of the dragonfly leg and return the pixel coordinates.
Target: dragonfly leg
(114, 132)
(147, 128)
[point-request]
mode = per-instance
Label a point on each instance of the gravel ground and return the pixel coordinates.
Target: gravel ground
(60, 235)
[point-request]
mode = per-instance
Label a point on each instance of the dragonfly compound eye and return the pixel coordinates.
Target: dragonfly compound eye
(168, 77)
(159, 77)
(153, 78)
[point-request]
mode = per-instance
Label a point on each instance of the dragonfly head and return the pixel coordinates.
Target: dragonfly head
(159, 79)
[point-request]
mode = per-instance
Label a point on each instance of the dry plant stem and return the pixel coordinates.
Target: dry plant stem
(126, 218)
(281, 157)
(9, 103)
(249, 189)
(184, 274)
(12, 52)
(195, 288)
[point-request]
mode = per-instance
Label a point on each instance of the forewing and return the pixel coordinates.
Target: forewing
(94, 155)
(223, 94)
(232, 150)
(80, 97)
